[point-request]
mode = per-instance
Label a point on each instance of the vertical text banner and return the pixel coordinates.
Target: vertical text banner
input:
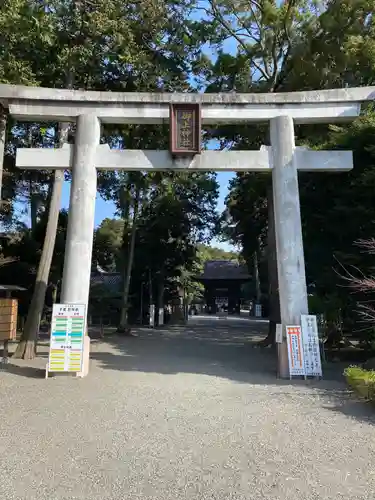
(311, 349)
(295, 351)
(67, 338)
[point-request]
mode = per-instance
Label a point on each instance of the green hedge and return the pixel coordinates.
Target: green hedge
(362, 381)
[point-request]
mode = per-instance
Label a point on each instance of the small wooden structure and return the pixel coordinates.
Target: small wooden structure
(8, 316)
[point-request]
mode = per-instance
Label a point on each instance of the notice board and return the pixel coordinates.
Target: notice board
(67, 338)
(311, 347)
(295, 351)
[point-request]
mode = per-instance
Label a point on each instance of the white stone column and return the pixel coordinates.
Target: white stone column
(288, 229)
(79, 240)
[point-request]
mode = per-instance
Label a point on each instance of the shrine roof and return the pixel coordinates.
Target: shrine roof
(101, 279)
(225, 270)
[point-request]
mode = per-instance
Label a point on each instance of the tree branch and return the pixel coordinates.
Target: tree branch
(227, 26)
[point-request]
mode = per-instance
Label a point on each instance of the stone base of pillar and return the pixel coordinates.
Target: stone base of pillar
(161, 316)
(283, 363)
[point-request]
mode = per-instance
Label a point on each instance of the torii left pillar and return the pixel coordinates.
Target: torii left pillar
(79, 239)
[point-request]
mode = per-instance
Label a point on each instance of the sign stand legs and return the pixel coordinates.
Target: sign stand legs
(86, 358)
(5, 359)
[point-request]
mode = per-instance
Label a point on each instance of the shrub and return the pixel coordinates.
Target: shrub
(362, 381)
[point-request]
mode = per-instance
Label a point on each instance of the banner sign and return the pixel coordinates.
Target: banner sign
(67, 338)
(311, 349)
(295, 350)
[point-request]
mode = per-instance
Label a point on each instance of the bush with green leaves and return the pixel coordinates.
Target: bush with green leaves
(362, 381)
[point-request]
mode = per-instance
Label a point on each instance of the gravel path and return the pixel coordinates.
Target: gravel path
(187, 413)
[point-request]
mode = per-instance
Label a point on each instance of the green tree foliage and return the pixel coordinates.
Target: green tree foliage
(22, 253)
(337, 49)
(180, 215)
(107, 244)
(22, 41)
(176, 213)
(337, 211)
(206, 253)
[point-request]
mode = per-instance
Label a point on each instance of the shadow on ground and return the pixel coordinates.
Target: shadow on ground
(23, 371)
(225, 349)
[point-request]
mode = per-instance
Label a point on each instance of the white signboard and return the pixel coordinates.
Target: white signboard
(161, 316)
(279, 334)
(67, 338)
(258, 310)
(152, 316)
(311, 350)
(295, 351)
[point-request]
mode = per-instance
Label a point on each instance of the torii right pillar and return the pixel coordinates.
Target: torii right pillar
(288, 229)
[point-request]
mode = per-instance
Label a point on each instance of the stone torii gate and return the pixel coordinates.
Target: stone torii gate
(88, 109)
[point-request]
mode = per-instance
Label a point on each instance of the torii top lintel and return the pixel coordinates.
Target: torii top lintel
(48, 104)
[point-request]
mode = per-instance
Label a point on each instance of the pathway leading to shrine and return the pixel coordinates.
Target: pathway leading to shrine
(184, 413)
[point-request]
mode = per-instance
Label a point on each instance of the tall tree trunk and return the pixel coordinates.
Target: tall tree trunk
(125, 212)
(54, 293)
(26, 348)
(33, 193)
(273, 281)
(35, 203)
(123, 326)
(151, 297)
(256, 277)
(160, 298)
